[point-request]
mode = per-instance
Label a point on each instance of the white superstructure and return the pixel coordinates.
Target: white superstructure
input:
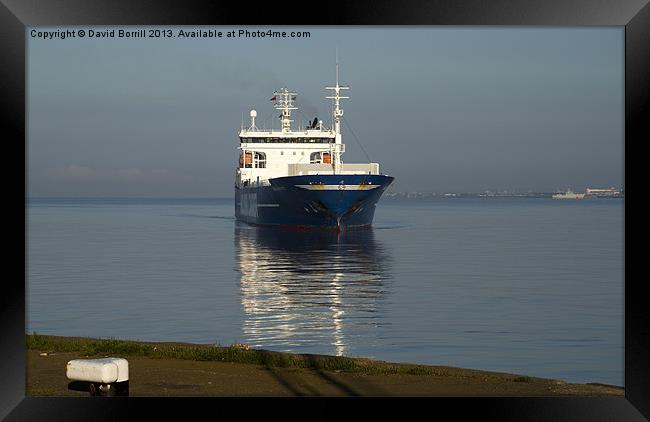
(603, 192)
(316, 149)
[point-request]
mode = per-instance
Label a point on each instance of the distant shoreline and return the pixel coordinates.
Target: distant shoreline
(160, 369)
(387, 195)
(418, 195)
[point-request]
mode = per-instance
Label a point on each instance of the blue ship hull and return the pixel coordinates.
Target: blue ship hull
(320, 201)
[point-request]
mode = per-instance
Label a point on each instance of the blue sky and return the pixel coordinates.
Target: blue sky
(440, 108)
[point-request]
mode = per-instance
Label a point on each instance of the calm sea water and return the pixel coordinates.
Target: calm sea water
(521, 285)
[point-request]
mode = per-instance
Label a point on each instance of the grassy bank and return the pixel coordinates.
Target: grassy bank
(237, 353)
(194, 369)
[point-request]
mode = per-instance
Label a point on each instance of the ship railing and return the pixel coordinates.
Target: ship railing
(348, 168)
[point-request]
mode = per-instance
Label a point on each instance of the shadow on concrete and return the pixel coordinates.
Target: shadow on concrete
(83, 386)
(95, 389)
(303, 389)
(283, 380)
(313, 363)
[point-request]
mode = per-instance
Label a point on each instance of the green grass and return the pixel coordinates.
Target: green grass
(236, 353)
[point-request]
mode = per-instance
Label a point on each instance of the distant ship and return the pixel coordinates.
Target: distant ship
(569, 195)
(296, 178)
(604, 193)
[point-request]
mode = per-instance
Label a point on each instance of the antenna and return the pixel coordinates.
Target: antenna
(337, 65)
(337, 114)
(284, 101)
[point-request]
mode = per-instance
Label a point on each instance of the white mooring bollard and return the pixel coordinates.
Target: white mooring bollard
(105, 377)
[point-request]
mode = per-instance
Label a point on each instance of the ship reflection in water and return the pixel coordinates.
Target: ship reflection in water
(310, 292)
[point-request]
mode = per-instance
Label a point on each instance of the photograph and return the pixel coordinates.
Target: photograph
(232, 207)
(325, 211)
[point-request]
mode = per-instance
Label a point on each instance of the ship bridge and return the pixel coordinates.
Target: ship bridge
(313, 150)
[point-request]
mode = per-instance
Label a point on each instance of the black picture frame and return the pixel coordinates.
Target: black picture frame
(16, 15)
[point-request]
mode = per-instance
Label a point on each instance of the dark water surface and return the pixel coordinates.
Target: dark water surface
(523, 285)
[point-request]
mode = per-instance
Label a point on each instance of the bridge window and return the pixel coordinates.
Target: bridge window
(252, 159)
(276, 140)
(320, 157)
(260, 160)
(246, 160)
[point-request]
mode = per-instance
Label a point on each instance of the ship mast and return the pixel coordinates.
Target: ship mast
(284, 101)
(338, 112)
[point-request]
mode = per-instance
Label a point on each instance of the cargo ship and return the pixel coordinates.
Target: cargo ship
(297, 178)
(604, 193)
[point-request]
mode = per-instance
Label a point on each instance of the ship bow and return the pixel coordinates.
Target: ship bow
(338, 199)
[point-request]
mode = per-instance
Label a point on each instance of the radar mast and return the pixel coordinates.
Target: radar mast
(284, 101)
(338, 147)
